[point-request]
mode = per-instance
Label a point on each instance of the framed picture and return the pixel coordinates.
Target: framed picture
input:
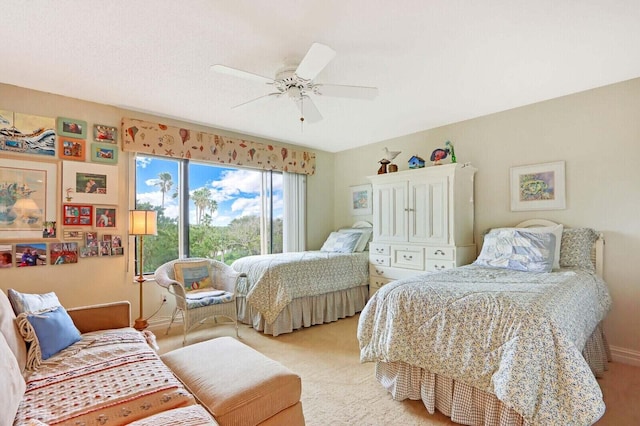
(89, 183)
(27, 134)
(105, 248)
(6, 256)
(71, 128)
(71, 149)
(28, 198)
(104, 153)
(31, 254)
(91, 240)
(77, 215)
(63, 253)
(91, 251)
(538, 187)
(73, 235)
(106, 134)
(105, 218)
(361, 200)
(49, 230)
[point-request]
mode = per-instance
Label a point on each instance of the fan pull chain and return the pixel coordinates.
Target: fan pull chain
(301, 114)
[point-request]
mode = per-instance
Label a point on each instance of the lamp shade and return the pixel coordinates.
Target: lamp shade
(143, 222)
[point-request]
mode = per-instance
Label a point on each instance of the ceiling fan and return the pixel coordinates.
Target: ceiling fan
(298, 84)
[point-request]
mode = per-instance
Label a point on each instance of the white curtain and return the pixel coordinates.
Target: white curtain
(295, 209)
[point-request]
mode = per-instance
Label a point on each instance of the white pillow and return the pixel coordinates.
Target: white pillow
(517, 249)
(555, 230)
(365, 237)
(339, 242)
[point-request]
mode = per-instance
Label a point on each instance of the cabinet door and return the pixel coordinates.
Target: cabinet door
(429, 210)
(390, 212)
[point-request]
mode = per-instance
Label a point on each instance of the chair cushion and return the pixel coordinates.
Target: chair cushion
(193, 275)
(198, 302)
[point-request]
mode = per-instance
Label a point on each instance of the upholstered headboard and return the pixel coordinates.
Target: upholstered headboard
(597, 251)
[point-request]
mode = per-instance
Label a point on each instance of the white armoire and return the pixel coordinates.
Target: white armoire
(422, 221)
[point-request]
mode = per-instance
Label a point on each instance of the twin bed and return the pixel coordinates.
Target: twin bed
(287, 291)
(502, 341)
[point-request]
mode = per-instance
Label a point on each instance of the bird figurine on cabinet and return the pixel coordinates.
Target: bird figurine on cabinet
(439, 154)
(452, 152)
(386, 160)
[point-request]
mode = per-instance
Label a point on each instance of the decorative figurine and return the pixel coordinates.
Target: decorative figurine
(449, 145)
(416, 162)
(388, 157)
(383, 168)
(439, 154)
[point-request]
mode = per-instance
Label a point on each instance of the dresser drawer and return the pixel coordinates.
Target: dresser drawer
(407, 257)
(390, 273)
(439, 265)
(375, 284)
(378, 248)
(441, 253)
(379, 260)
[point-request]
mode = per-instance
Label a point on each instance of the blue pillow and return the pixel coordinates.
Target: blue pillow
(518, 250)
(55, 330)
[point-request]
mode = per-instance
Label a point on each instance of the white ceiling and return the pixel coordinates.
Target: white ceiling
(435, 62)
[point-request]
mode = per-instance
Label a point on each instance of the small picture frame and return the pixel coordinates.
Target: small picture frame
(71, 149)
(361, 200)
(91, 240)
(77, 215)
(73, 235)
(89, 183)
(63, 253)
(71, 128)
(105, 248)
(104, 153)
(49, 229)
(105, 217)
(116, 241)
(90, 251)
(105, 134)
(6, 256)
(31, 254)
(538, 187)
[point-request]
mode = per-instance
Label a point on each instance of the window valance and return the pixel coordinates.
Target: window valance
(176, 142)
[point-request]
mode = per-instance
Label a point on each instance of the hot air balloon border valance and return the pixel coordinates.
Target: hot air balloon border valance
(177, 142)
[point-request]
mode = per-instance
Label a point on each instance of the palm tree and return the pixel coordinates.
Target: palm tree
(165, 183)
(201, 198)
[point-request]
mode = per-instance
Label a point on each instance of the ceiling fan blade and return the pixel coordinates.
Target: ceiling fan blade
(223, 69)
(314, 61)
(356, 92)
(308, 109)
(258, 100)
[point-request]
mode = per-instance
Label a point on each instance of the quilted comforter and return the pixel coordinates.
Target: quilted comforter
(518, 335)
(274, 280)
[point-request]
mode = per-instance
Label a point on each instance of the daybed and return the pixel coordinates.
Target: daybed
(501, 341)
(112, 376)
(287, 291)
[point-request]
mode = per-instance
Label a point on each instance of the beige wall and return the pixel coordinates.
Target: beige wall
(105, 279)
(597, 134)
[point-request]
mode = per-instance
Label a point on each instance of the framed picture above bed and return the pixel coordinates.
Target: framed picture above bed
(361, 199)
(538, 187)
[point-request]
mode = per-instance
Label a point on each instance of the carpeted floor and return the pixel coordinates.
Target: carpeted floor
(338, 390)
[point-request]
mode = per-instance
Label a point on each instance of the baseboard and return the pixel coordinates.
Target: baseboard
(159, 324)
(625, 356)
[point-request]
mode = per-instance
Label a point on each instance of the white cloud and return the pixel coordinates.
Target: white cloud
(143, 162)
(247, 206)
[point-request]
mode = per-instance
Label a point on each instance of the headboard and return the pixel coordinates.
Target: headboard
(597, 251)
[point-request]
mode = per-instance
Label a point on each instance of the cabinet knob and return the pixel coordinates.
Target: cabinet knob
(407, 257)
(439, 268)
(380, 261)
(439, 252)
(379, 272)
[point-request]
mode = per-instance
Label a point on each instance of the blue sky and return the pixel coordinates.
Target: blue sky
(237, 191)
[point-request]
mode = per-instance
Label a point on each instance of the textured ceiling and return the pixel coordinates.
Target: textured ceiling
(434, 62)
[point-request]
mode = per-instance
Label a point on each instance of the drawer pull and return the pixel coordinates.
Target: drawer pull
(379, 250)
(407, 257)
(380, 261)
(439, 268)
(379, 272)
(438, 252)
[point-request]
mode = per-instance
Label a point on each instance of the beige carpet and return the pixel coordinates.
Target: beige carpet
(338, 390)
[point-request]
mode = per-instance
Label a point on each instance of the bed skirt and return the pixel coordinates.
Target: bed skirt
(465, 404)
(307, 311)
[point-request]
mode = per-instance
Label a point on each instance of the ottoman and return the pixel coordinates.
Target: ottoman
(237, 384)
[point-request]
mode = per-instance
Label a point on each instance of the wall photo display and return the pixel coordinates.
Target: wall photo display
(89, 183)
(77, 215)
(31, 254)
(104, 153)
(105, 134)
(71, 128)
(105, 217)
(27, 134)
(71, 149)
(538, 187)
(63, 253)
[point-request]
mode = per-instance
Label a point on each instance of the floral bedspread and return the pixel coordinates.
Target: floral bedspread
(274, 280)
(518, 335)
(107, 378)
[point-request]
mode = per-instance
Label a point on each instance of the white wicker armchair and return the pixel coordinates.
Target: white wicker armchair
(196, 311)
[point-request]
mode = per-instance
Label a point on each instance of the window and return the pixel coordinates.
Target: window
(206, 210)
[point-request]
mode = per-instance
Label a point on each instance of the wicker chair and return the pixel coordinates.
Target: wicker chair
(194, 309)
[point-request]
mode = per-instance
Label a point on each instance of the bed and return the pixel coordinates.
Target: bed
(501, 341)
(287, 291)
